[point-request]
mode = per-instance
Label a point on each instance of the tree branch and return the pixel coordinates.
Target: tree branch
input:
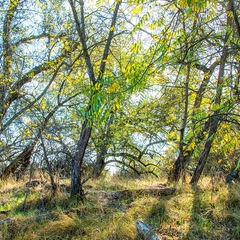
(235, 16)
(81, 32)
(109, 40)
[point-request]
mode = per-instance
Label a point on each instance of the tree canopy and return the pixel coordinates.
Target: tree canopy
(142, 86)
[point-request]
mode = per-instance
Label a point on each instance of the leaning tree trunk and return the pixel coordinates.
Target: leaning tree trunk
(76, 177)
(216, 117)
(204, 156)
(21, 159)
(185, 157)
(21, 170)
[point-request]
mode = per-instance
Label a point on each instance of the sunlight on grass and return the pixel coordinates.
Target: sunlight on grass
(200, 212)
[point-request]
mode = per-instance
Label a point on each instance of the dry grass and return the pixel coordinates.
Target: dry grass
(208, 211)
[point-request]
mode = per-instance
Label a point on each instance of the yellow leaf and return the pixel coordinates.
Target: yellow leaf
(98, 86)
(73, 115)
(27, 133)
(112, 28)
(44, 105)
(49, 136)
(117, 106)
(113, 88)
(137, 10)
(171, 135)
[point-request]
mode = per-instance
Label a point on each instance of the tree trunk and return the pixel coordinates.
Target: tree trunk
(183, 129)
(76, 184)
(21, 159)
(19, 173)
(203, 158)
(180, 164)
(100, 163)
(178, 167)
(215, 118)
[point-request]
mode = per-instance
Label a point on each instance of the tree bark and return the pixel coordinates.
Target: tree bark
(146, 231)
(204, 155)
(22, 158)
(7, 53)
(76, 177)
(183, 129)
(100, 163)
(101, 155)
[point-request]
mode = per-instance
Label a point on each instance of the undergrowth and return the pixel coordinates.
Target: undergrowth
(206, 211)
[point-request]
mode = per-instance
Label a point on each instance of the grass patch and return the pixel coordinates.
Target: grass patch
(201, 212)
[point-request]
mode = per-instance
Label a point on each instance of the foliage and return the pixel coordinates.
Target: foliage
(170, 85)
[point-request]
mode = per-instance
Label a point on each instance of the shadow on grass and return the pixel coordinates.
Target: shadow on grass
(232, 216)
(196, 213)
(201, 221)
(159, 216)
(214, 218)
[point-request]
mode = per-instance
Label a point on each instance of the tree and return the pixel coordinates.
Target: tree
(26, 76)
(193, 142)
(79, 73)
(76, 184)
(216, 117)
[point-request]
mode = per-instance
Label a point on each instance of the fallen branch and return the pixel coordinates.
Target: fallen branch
(140, 192)
(146, 231)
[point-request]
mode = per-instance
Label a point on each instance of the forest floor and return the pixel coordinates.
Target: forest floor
(210, 210)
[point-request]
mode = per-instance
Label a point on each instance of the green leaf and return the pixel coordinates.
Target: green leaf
(238, 165)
